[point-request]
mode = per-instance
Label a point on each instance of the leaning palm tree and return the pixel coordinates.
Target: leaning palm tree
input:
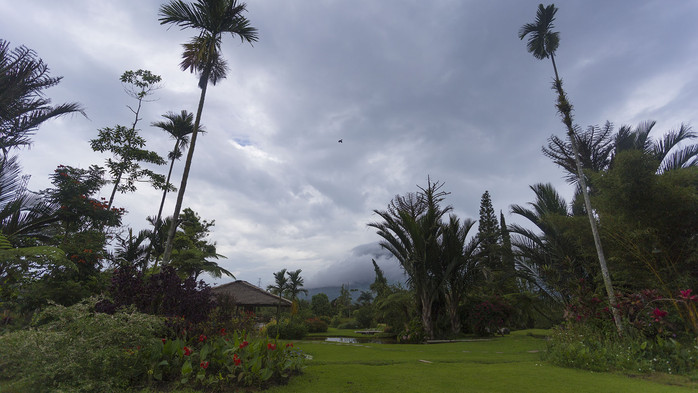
(542, 43)
(179, 127)
(202, 55)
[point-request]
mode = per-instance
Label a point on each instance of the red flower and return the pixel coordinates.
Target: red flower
(236, 359)
(187, 351)
(222, 332)
(244, 344)
(204, 365)
(289, 345)
(202, 338)
(271, 346)
(686, 295)
(164, 340)
(659, 314)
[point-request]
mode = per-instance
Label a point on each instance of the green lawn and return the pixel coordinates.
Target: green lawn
(503, 364)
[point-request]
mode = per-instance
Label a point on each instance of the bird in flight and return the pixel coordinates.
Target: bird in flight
(340, 141)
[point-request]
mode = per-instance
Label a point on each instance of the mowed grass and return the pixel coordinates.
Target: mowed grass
(503, 364)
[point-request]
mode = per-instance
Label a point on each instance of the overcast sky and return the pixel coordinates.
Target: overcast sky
(440, 88)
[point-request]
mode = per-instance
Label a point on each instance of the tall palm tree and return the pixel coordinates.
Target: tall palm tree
(202, 55)
(279, 288)
(295, 284)
(542, 43)
(179, 127)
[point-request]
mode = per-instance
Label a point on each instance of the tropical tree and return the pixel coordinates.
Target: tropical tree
(543, 43)
(295, 284)
(25, 218)
(126, 145)
(489, 232)
(460, 258)
(279, 288)
(130, 250)
(192, 252)
(549, 260)
(202, 54)
(411, 230)
(178, 127)
(320, 304)
(598, 147)
(23, 106)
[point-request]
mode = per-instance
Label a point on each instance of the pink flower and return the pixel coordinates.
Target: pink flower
(686, 295)
(659, 314)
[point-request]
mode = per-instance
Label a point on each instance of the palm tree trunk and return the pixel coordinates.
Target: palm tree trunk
(566, 111)
(164, 193)
(426, 318)
(185, 175)
(157, 220)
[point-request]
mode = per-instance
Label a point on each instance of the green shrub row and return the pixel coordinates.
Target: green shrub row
(75, 349)
(587, 347)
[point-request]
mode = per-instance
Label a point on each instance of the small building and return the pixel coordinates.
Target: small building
(249, 297)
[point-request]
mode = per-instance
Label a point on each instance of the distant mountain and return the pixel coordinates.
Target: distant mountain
(333, 292)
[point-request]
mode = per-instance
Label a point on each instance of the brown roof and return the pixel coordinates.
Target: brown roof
(246, 294)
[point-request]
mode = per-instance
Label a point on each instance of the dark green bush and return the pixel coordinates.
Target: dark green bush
(76, 349)
(592, 348)
(287, 330)
(350, 324)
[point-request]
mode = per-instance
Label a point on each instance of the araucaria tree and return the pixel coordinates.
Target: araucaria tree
(542, 43)
(202, 55)
(489, 234)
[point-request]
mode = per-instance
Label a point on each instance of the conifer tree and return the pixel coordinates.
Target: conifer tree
(489, 234)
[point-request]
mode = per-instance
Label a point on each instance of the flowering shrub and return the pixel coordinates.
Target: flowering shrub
(647, 313)
(659, 334)
(223, 360)
(316, 325)
(488, 317)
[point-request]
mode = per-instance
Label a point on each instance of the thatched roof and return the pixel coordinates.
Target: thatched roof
(248, 295)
